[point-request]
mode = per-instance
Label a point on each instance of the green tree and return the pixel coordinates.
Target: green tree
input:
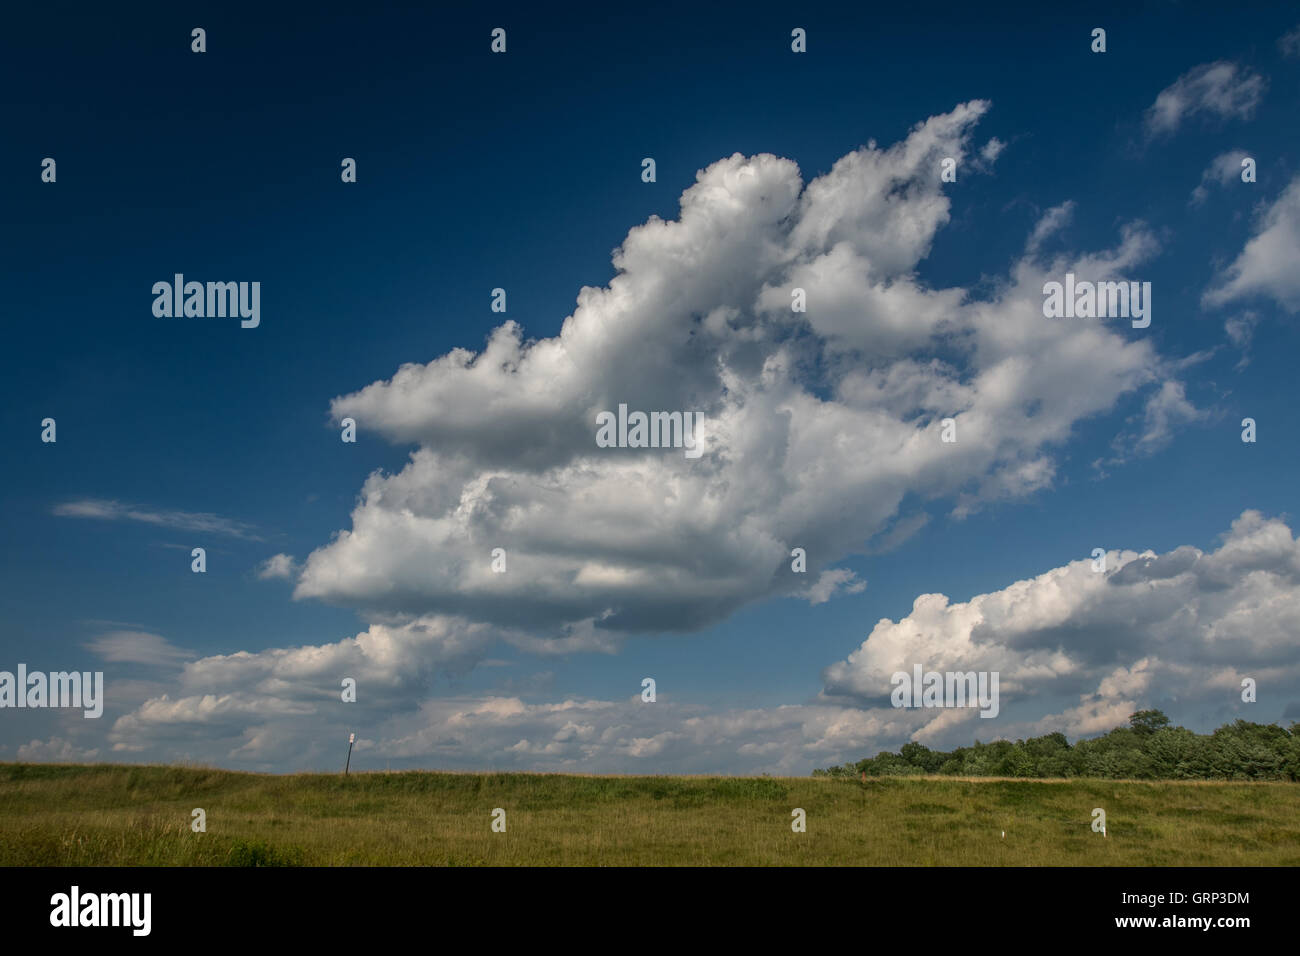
(1148, 721)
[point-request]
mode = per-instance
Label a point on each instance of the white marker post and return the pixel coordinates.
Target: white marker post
(351, 739)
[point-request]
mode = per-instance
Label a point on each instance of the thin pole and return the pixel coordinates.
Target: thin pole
(349, 763)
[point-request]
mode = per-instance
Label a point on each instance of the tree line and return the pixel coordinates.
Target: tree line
(1150, 748)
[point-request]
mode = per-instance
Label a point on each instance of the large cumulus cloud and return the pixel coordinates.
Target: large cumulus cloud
(818, 424)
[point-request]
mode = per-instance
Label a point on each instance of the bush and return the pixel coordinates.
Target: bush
(258, 853)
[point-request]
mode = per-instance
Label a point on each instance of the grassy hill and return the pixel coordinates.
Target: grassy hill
(140, 815)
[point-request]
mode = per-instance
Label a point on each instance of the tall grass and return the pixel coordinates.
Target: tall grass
(125, 815)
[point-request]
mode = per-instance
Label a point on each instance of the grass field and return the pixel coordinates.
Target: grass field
(115, 815)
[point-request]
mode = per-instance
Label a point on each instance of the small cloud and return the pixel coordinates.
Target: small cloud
(1267, 264)
(278, 566)
(1223, 169)
(200, 521)
(1219, 89)
(55, 750)
(1166, 410)
(1241, 331)
(832, 583)
(1289, 43)
(896, 536)
(992, 149)
(1051, 222)
(137, 647)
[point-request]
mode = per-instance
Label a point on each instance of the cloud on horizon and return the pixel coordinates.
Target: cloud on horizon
(1077, 651)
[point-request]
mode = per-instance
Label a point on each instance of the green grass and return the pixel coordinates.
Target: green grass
(114, 815)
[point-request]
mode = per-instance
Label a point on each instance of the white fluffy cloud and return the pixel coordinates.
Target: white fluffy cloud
(233, 701)
(56, 750)
(631, 736)
(1267, 265)
(817, 423)
(1181, 622)
(1220, 89)
(1077, 651)
(509, 732)
(277, 566)
(832, 582)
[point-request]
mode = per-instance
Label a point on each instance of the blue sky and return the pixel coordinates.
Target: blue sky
(523, 171)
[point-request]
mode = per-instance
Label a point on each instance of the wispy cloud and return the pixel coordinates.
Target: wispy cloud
(1220, 89)
(1289, 43)
(1051, 222)
(137, 647)
(1224, 169)
(201, 521)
